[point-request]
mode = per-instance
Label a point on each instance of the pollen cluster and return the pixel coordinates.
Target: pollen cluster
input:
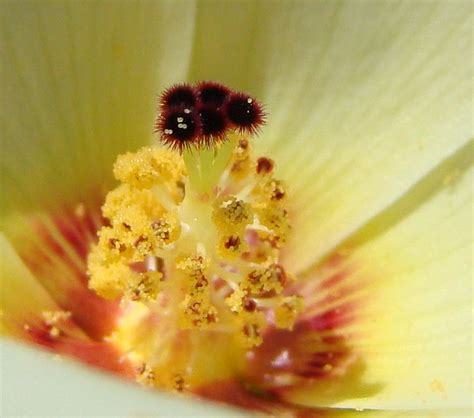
(194, 261)
(143, 220)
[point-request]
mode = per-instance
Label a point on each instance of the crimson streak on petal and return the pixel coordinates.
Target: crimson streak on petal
(54, 247)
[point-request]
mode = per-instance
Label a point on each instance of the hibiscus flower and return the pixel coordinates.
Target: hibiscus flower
(368, 125)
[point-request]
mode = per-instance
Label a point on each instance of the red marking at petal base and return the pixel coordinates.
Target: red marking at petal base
(56, 254)
(331, 319)
(232, 392)
(317, 348)
(98, 354)
(96, 316)
(294, 355)
(73, 235)
(334, 280)
(49, 241)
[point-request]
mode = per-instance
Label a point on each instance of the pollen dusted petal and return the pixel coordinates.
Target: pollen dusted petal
(412, 297)
(30, 314)
(53, 254)
(22, 297)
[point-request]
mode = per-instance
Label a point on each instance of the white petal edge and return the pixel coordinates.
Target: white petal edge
(36, 383)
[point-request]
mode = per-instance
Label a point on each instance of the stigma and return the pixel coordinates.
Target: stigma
(194, 235)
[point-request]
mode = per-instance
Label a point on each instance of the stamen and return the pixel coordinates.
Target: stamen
(231, 214)
(194, 235)
(287, 311)
(264, 166)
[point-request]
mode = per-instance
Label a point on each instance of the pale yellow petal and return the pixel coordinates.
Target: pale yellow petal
(410, 275)
(80, 82)
(22, 298)
(364, 98)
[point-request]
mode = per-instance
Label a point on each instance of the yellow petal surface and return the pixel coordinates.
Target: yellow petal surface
(410, 271)
(79, 86)
(22, 298)
(364, 98)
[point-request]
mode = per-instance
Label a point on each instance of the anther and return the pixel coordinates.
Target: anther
(231, 214)
(264, 165)
(266, 281)
(287, 311)
(249, 305)
(232, 242)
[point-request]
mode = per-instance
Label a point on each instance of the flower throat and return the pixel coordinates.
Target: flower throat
(194, 235)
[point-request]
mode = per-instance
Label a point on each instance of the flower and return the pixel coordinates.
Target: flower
(370, 126)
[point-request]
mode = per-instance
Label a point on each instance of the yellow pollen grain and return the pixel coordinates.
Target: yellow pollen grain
(266, 279)
(144, 201)
(80, 210)
(108, 280)
(270, 189)
(241, 164)
(149, 166)
(235, 300)
(438, 387)
(197, 311)
(146, 376)
(144, 287)
(179, 382)
(55, 320)
(275, 218)
(192, 264)
(231, 246)
(231, 214)
(51, 318)
(250, 326)
(287, 311)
